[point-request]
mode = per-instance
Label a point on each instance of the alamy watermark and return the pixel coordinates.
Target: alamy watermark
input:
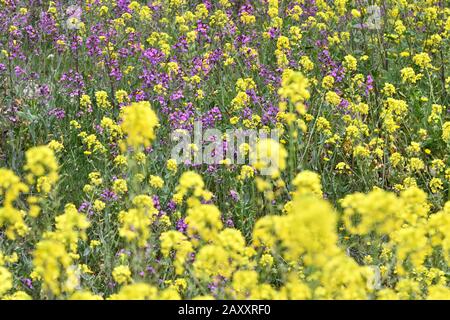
(373, 15)
(234, 146)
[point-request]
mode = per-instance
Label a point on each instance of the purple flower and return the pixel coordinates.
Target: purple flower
(234, 195)
(47, 24)
(171, 206)
(57, 113)
(108, 195)
(73, 82)
(154, 56)
(18, 71)
(344, 103)
(86, 207)
(211, 117)
(177, 95)
(181, 225)
(369, 84)
(27, 282)
(44, 90)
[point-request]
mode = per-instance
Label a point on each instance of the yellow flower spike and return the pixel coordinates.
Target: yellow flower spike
(269, 157)
(174, 240)
(140, 291)
(308, 182)
(294, 87)
(203, 221)
(84, 295)
(122, 274)
(42, 168)
(10, 187)
(446, 132)
(50, 260)
(139, 123)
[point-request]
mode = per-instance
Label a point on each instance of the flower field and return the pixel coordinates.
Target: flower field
(227, 149)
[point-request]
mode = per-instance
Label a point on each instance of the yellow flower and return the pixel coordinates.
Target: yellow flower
(247, 18)
(122, 274)
(342, 167)
(266, 260)
(328, 82)
(241, 100)
(332, 98)
(85, 102)
(446, 132)
(438, 292)
(10, 187)
(355, 13)
(389, 89)
(212, 260)
(134, 223)
(395, 159)
(377, 211)
(423, 60)
(436, 185)
(120, 186)
(5, 280)
(172, 165)
(120, 160)
(51, 260)
(136, 291)
(177, 242)
(42, 168)
(308, 182)
(55, 146)
(323, 125)
(139, 122)
(95, 178)
(102, 99)
(436, 111)
(99, 205)
(84, 295)
(18, 295)
(156, 182)
(94, 243)
(408, 75)
(244, 282)
(204, 221)
(306, 63)
(246, 172)
(269, 157)
(350, 63)
(294, 87)
(416, 164)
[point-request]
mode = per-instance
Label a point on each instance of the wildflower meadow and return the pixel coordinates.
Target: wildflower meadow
(224, 149)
